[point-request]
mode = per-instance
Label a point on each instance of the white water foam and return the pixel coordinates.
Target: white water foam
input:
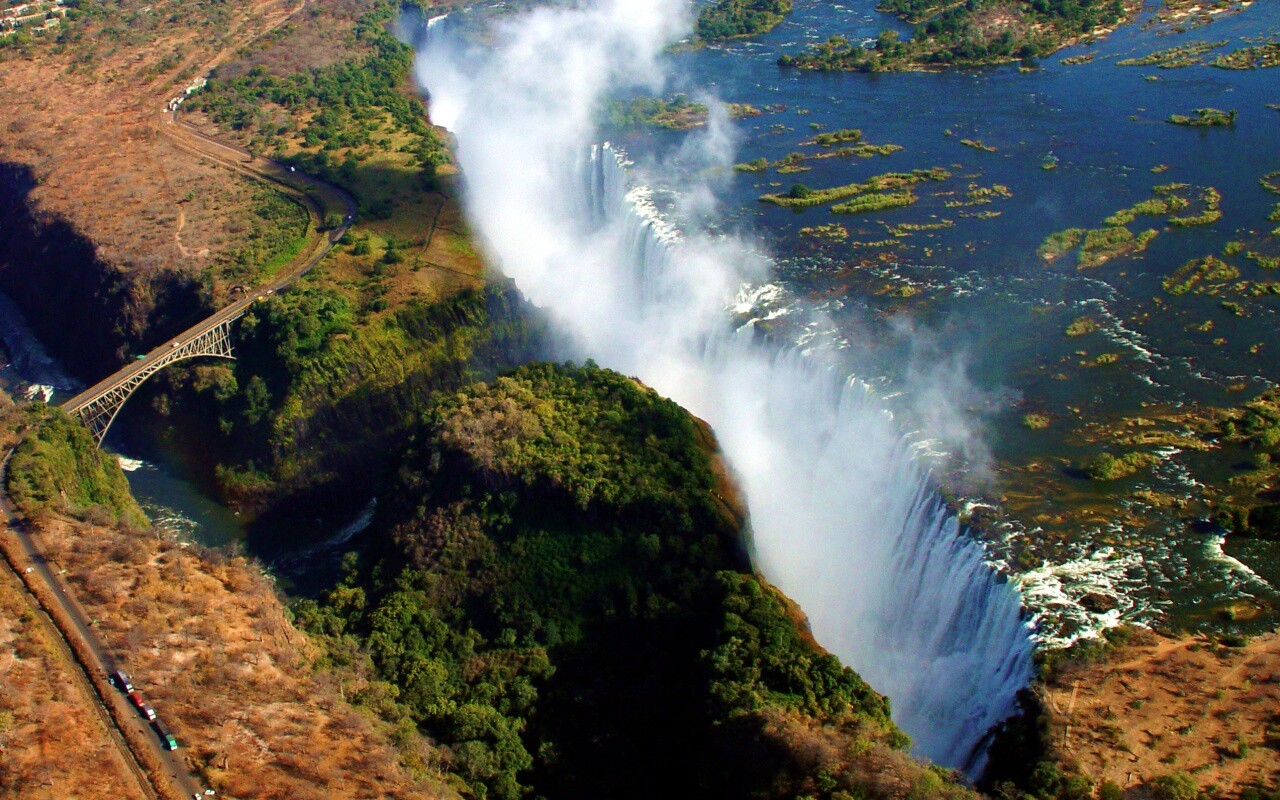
(41, 375)
(130, 464)
(843, 519)
(1059, 589)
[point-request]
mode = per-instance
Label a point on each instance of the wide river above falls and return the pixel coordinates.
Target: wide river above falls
(952, 284)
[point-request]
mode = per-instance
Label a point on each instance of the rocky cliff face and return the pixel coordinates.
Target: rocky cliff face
(89, 314)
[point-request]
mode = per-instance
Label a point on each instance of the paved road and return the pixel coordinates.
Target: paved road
(177, 776)
(83, 686)
(320, 198)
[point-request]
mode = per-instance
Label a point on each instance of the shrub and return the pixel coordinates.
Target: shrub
(1106, 467)
(57, 467)
(1035, 422)
(1174, 786)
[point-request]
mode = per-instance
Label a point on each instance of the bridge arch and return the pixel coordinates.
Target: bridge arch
(98, 406)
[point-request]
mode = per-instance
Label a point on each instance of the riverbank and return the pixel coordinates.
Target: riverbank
(1165, 711)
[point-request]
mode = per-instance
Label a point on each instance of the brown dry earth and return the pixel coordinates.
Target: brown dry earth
(87, 120)
(207, 640)
(53, 745)
(1173, 704)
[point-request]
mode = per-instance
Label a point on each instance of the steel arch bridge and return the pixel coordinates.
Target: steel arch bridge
(98, 406)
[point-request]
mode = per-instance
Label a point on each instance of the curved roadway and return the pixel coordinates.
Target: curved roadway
(320, 199)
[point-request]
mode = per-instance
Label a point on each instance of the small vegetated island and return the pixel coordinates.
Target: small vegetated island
(1261, 56)
(1255, 56)
(966, 34)
(678, 113)
(1205, 118)
(890, 190)
(1181, 204)
(735, 19)
(1184, 55)
(851, 146)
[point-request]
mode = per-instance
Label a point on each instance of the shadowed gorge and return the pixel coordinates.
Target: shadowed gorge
(54, 274)
(559, 590)
(565, 442)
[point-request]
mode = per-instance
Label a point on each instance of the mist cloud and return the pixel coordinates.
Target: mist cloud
(843, 520)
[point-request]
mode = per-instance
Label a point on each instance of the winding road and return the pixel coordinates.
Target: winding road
(322, 200)
(130, 731)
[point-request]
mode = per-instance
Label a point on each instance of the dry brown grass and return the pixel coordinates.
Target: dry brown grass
(88, 122)
(205, 637)
(53, 744)
(309, 40)
(1165, 705)
(861, 766)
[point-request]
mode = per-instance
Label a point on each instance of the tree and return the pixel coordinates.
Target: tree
(1175, 786)
(257, 400)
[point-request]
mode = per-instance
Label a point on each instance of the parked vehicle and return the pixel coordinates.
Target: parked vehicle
(136, 699)
(166, 737)
(148, 712)
(121, 681)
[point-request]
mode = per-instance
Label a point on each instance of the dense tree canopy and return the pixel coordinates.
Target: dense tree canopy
(559, 593)
(730, 19)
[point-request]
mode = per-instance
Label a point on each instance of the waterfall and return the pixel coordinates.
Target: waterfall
(843, 519)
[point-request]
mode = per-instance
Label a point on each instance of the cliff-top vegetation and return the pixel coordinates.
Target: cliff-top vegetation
(331, 94)
(57, 468)
(332, 120)
(559, 591)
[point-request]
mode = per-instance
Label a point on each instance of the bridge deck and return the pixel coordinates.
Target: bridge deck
(122, 376)
(96, 405)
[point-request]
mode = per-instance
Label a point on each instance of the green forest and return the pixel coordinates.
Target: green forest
(323, 389)
(558, 591)
(353, 106)
(732, 19)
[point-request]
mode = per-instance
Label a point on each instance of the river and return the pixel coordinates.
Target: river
(966, 294)
(304, 555)
(955, 283)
